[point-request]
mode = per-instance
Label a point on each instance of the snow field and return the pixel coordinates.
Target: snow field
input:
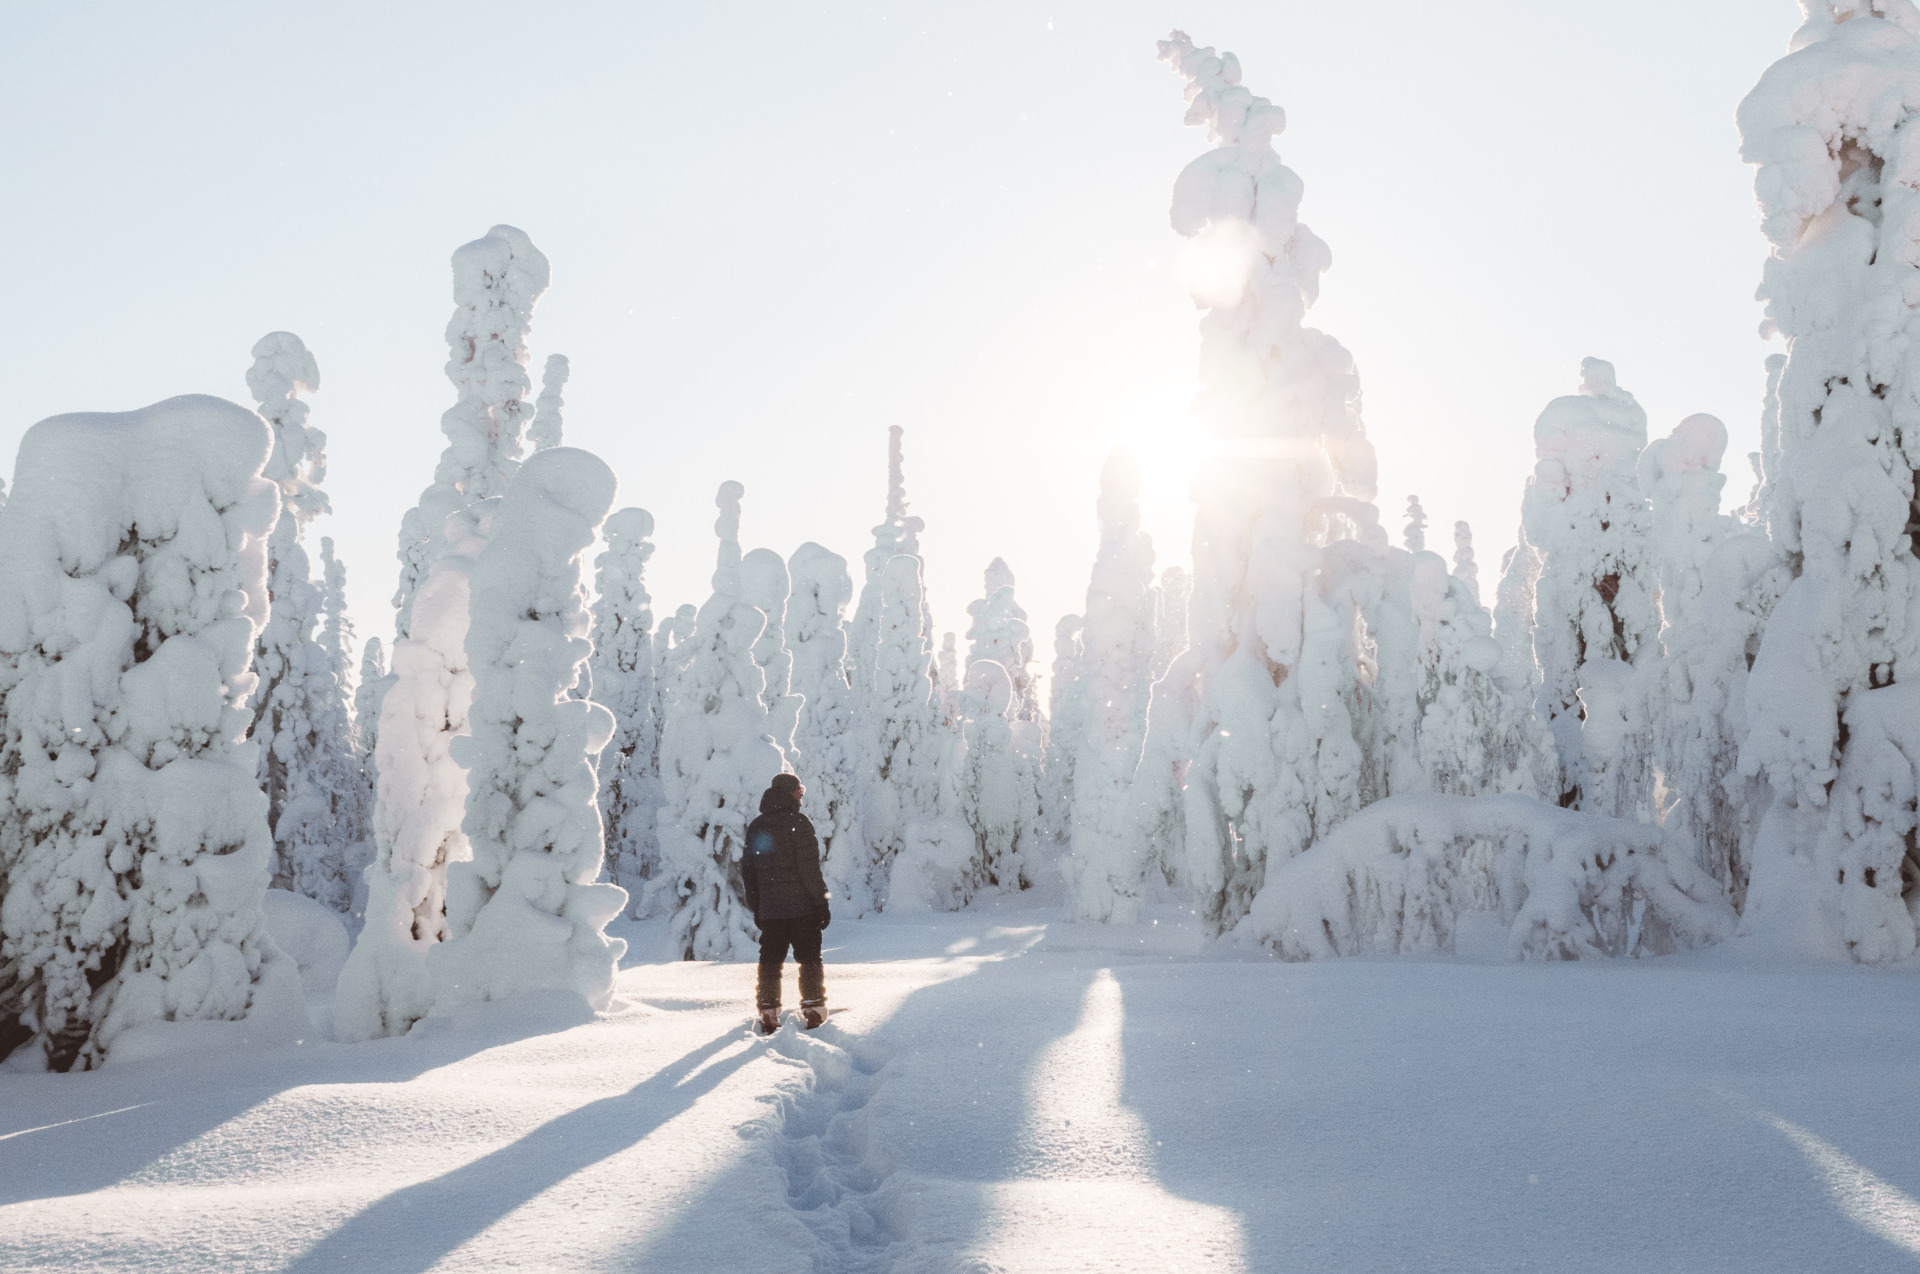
(1004, 1092)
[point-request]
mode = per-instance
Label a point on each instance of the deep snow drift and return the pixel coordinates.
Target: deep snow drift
(1000, 1090)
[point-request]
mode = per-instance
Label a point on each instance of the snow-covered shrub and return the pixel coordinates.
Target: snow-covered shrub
(134, 847)
(496, 280)
(998, 632)
(523, 911)
(315, 803)
(1595, 619)
(1108, 858)
(717, 755)
(1397, 878)
(825, 737)
(545, 429)
(1830, 126)
(623, 680)
(1274, 762)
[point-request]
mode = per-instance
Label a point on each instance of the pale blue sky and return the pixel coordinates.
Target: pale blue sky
(776, 229)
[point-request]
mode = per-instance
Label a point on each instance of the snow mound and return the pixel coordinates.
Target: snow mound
(1399, 877)
(310, 933)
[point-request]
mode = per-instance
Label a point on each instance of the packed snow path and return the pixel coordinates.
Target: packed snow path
(1006, 1093)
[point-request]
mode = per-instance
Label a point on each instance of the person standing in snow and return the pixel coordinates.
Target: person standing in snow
(789, 900)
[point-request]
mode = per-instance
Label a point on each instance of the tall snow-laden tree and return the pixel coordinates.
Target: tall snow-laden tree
(1066, 725)
(421, 791)
(545, 429)
(1292, 475)
(717, 755)
(367, 697)
(825, 737)
(1116, 639)
(898, 534)
(1000, 780)
(998, 632)
(1595, 620)
(765, 586)
(1715, 588)
(301, 719)
(1832, 706)
(524, 912)
(1464, 568)
(919, 851)
(134, 848)
(947, 679)
(1169, 619)
(623, 680)
(496, 281)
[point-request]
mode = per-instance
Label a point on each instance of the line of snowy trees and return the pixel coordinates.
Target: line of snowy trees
(1674, 722)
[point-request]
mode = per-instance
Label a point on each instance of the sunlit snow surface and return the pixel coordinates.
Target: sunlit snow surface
(1004, 1092)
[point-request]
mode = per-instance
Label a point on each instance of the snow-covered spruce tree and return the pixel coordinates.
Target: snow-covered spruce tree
(1170, 619)
(1276, 763)
(1715, 588)
(825, 737)
(717, 755)
(899, 534)
(998, 632)
(496, 280)
(300, 714)
(623, 680)
(999, 780)
(919, 850)
(1415, 536)
(1595, 618)
(764, 585)
(1464, 568)
(134, 848)
(1108, 858)
(547, 425)
(1066, 724)
(367, 698)
(947, 678)
(386, 986)
(1835, 692)
(524, 913)
(421, 791)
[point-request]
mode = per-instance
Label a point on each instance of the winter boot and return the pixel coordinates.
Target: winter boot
(813, 994)
(768, 1021)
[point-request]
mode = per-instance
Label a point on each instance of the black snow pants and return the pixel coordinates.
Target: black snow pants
(802, 933)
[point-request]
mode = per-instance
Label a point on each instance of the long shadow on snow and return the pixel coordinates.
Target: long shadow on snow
(176, 1100)
(947, 1107)
(388, 1234)
(1369, 1115)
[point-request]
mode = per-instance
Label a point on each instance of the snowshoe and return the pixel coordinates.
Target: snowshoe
(768, 1022)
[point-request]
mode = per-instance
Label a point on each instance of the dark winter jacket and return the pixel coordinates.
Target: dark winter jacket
(781, 867)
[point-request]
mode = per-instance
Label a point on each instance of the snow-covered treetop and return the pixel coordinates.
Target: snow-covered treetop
(546, 428)
(1464, 568)
(496, 280)
(283, 369)
(1416, 532)
(1258, 269)
(1580, 437)
(999, 633)
(900, 533)
(726, 568)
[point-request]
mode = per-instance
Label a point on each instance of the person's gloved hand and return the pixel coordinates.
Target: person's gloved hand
(826, 914)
